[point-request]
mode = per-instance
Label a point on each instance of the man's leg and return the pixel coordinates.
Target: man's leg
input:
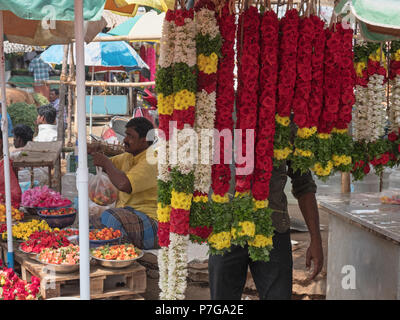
(227, 274)
(273, 279)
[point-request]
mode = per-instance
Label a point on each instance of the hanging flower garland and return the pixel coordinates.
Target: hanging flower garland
(394, 110)
(377, 146)
(342, 142)
(182, 177)
(208, 42)
(304, 144)
(243, 226)
(360, 158)
(165, 94)
(286, 83)
(220, 239)
(332, 84)
(260, 247)
(370, 113)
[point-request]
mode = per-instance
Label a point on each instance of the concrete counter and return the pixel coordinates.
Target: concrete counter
(363, 247)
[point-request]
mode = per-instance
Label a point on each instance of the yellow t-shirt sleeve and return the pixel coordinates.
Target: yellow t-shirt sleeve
(118, 160)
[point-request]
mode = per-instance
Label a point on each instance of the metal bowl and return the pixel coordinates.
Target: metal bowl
(29, 253)
(60, 268)
(99, 243)
(60, 221)
(118, 264)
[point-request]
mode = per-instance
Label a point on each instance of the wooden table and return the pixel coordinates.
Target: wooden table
(41, 154)
(363, 247)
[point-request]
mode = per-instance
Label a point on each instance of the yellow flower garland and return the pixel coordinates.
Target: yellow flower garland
(304, 153)
(181, 200)
(284, 121)
(281, 154)
(208, 64)
(163, 213)
(184, 99)
(165, 104)
(323, 135)
(305, 133)
(321, 171)
(217, 198)
(261, 241)
(248, 228)
(339, 160)
(200, 199)
(220, 240)
(260, 204)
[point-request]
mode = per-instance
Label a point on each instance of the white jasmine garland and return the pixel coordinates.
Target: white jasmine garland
(163, 272)
(394, 110)
(376, 110)
(167, 43)
(177, 271)
(360, 119)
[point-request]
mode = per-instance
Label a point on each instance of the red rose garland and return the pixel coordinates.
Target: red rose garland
(289, 25)
(317, 64)
(332, 86)
(262, 243)
(341, 140)
(243, 227)
(303, 157)
(220, 239)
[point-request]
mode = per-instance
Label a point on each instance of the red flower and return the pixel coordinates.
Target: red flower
(392, 137)
(366, 169)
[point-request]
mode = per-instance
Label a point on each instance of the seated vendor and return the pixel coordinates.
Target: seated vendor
(46, 121)
(135, 213)
(22, 135)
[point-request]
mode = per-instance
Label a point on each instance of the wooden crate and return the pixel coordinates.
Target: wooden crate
(103, 281)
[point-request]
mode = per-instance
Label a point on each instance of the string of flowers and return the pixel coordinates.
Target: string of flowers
(342, 142)
(286, 83)
(243, 226)
(182, 176)
(304, 143)
(165, 104)
(377, 146)
(220, 239)
(260, 247)
(360, 159)
(208, 43)
(394, 110)
(332, 79)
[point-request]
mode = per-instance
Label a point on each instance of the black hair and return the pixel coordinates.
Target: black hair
(24, 132)
(48, 112)
(55, 91)
(142, 126)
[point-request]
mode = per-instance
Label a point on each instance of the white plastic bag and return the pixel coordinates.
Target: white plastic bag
(101, 189)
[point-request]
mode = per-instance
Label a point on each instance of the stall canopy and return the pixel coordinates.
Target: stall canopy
(378, 20)
(144, 27)
(129, 7)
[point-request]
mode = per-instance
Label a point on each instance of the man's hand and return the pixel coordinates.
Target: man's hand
(100, 160)
(316, 255)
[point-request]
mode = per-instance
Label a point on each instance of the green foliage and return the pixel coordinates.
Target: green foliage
(281, 141)
(263, 221)
(299, 162)
(205, 45)
(182, 182)
(164, 192)
(185, 77)
(164, 81)
(40, 99)
(342, 144)
(221, 222)
(242, 211)
(362, 51)
(23, 113)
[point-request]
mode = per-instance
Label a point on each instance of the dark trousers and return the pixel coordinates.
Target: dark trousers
(273, 279)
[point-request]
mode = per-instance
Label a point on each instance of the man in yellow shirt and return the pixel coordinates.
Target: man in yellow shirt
(136, 180)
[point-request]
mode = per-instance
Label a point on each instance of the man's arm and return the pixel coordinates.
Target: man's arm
(309, 210)
(117, 177)
(304, 189)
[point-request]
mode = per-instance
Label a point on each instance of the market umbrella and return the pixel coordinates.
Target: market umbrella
(378, 20)
(104, 54)
(107, 55)
(144, 27)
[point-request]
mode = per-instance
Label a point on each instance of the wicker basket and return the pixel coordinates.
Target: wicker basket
(109, 150)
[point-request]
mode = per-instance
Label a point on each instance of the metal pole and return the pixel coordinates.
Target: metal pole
(6, 154)
(82, 171)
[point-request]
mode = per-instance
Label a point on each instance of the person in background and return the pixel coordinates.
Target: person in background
(55, 102)
(15, 187)
(22, 135)
(46, 121)
(41, 72)
(135, 212)
(10, 125)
